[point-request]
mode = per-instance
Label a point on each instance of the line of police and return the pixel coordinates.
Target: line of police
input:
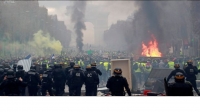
(180, 87)
(52, 81)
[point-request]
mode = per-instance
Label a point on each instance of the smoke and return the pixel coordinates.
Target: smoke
(43, 44)
(77, 17)
(169, 21)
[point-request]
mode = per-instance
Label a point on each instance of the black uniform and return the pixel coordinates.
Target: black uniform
(173, 73)
(11, 85)
(75, 82)
(91, 82)
(191, 72)
(33, 80)
(59, 79)
(47, 83)
(180, 89)
(21, 73)
(116, 85)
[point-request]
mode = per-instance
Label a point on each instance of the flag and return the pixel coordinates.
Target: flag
(26, 63)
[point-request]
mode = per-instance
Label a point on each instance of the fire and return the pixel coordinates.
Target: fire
(151, 50)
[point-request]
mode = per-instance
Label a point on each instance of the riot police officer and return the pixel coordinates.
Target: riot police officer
(47, 83)
(117, 83)
(75, 81)
(177, 69)
(11, 85)
(33, 80)
(180, 87)
(21, 73)
(191, 72)
(67, 71)
(59, 79)
(91, 81)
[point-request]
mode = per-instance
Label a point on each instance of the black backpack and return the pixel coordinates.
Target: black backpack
(91, 77)
(117, 84)
(76, 78)
(58, 74)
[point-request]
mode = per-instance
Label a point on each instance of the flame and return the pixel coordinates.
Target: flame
(152, 49)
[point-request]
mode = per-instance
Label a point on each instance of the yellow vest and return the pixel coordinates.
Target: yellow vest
(105, 64)
(171, 64)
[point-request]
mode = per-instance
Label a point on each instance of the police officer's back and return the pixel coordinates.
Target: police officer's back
(68, 69)
(75, 81)
(20, 73)
(177, 69)
(47, 83)
(191, 72)
(180, 87)
(33, 80)
(91, 81)
(11, 84)
(59, 79)
(117, 83)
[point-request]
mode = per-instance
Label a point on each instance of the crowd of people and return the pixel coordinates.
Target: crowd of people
(50, 75)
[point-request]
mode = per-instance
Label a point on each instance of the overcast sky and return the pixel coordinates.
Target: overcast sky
(118, 10)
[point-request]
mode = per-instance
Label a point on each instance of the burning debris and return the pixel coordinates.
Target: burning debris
(151, 50)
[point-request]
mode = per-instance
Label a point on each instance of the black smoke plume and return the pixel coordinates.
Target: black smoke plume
(78, 15)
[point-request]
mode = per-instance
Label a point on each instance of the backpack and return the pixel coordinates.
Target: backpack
(90, 77)
(117, 84)
(76, 78)
(58, 74)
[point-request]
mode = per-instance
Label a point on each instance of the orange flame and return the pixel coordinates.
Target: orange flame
(152, 49)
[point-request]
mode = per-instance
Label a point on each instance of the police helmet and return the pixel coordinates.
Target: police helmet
(1, 66)
(71, 64)
(33, 67)
(77, 67)
(179, 77)
(88, 67)
(1, 70)
(20, 67)
(93, 64)
(15, 65)
(10, 74)
(176, 66)
(117, 71)
(6, 69)
(189, 62)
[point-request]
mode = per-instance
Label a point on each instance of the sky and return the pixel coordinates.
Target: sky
(118, 10)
